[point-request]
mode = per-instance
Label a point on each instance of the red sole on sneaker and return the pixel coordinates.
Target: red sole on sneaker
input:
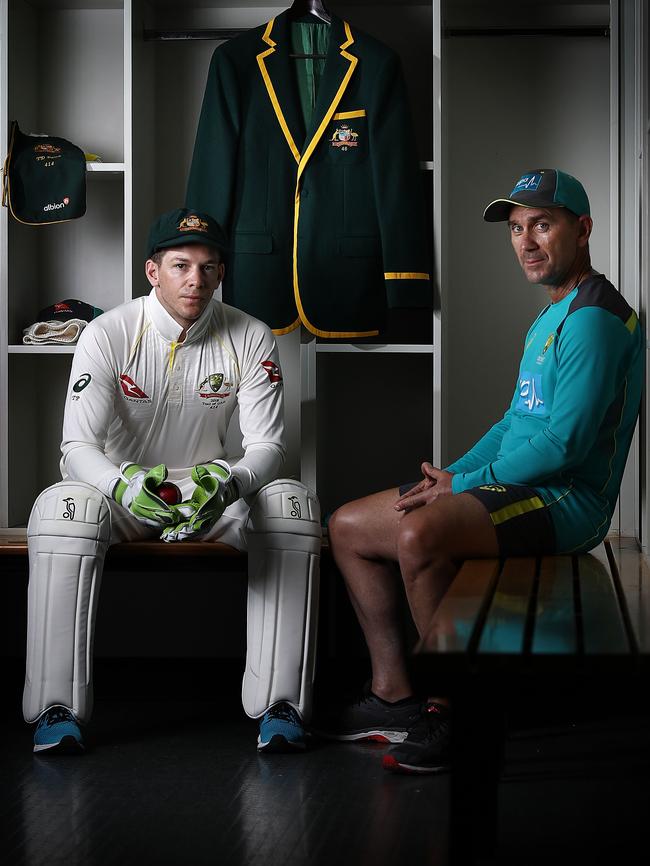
(390, 763)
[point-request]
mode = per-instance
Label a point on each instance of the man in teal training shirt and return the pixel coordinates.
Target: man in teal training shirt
(543, 479)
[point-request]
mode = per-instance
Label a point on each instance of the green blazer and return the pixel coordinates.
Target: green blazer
(326, 224)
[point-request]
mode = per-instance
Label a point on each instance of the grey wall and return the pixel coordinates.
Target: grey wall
(511, 103)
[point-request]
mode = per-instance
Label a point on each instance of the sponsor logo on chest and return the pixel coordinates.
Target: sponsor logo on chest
(531, 397)
(131, 391)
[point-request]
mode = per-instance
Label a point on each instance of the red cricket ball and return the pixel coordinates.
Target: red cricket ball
(169, 493)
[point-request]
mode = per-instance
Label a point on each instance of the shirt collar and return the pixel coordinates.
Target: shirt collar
(168, 327)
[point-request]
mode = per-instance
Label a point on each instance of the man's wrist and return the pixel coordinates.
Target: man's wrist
(232, 492)
(119, 489)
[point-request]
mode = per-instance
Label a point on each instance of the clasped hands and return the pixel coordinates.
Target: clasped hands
(214, 491)
(436, 482)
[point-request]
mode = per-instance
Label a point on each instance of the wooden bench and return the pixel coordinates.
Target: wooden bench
(506, 624)
(16, 545)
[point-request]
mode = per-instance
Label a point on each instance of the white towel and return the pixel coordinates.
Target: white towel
(54, 332)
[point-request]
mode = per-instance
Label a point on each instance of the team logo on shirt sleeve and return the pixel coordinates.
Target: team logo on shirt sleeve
(273, 372)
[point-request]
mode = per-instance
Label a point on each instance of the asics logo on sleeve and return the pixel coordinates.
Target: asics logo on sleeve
(531, 397)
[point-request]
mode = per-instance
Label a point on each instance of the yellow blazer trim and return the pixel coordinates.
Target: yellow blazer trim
(337, 98)
(631, 323)
(349, 40)
(271, 90)
(406, 275)
(346, 115)
(292, 327)
(301, 311)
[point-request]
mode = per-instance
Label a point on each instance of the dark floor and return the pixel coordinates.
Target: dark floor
(173, 779)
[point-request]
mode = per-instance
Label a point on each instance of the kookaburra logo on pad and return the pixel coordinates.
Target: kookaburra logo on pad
(296, 510)
(68, 514)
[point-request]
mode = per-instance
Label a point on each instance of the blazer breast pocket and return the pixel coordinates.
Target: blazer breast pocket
(346, 139)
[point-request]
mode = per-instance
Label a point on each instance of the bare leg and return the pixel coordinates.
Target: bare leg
(369, 538)
(433, 540)
(364, 536)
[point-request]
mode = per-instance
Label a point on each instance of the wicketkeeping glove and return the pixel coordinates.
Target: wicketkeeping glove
(135, 491)
(215, 490)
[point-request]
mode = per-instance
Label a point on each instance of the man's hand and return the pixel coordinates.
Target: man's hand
(215, 490)
(436, 482)
(136, 491)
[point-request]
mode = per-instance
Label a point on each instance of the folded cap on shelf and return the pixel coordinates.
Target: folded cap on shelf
(63, 311)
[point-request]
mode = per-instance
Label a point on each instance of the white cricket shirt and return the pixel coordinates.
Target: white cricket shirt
(137, 394)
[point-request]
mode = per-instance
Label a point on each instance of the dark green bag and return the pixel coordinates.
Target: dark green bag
(44, 179)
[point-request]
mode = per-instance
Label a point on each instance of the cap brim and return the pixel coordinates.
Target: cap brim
(191, 238)
(499, 210)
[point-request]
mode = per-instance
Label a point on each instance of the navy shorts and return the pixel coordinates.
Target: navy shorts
(521, 518)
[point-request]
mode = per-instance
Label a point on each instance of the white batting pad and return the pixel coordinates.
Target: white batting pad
(68, 535)
(284, 538)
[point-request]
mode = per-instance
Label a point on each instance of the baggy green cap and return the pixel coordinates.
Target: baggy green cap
(185, 226)
(541, 187)
(44, 178)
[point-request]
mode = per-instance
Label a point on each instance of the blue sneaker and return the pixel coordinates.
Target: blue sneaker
(58, 731)
(281, 730)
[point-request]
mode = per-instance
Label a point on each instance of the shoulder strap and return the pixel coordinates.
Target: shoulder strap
(5, 167)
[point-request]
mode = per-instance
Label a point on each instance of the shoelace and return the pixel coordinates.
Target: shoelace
(432, 724)
(437, 721)
(55, 715)
(284, 712)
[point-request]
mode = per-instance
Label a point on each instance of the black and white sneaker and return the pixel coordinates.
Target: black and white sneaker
(427, 747)
(370, 718)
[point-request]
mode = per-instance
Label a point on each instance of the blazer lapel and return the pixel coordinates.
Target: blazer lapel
(275, 67)
(339, 67)
(279, 79)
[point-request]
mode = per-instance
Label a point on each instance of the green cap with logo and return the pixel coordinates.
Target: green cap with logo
(544, 188)
(185, 226)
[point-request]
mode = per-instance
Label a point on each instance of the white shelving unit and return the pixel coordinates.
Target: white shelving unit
(62, 71)
(91, 71)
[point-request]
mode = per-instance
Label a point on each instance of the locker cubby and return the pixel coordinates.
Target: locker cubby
(37, 388)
